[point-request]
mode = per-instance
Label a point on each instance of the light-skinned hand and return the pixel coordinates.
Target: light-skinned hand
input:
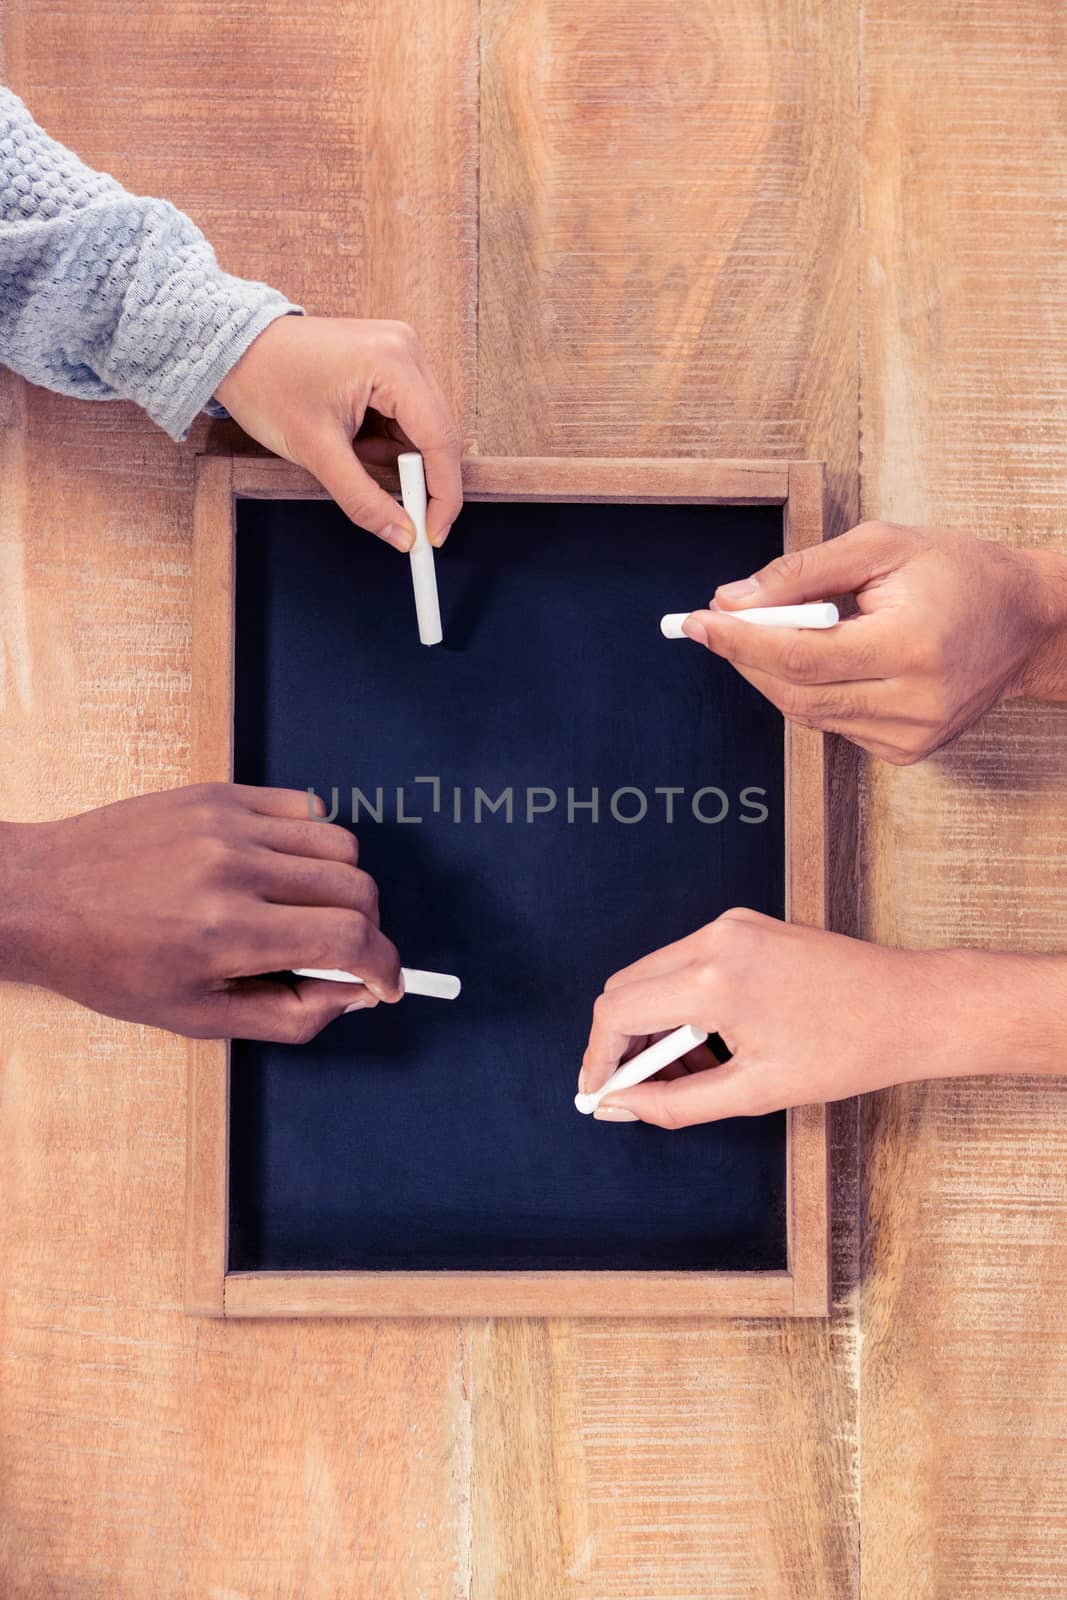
(810, 1016)
(307, 386)
(166, 908)
(948, 625)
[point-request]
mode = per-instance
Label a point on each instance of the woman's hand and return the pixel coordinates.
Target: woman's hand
(308, 385)
(948, 626)
(811, 1016)
(166, 908)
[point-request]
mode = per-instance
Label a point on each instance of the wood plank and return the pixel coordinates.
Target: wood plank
(211, 761)
(808, 838)
(691, 481)
(508, 1294)
(637, 480)
(668, 267)
(668, 191)
(964, 1368)
(332, 152)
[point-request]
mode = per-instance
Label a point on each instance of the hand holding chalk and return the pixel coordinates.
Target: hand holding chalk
(815, 614)
(659, 1055)
(435, 985)
(423, 570)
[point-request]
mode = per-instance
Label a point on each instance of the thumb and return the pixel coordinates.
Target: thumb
(840, 566)
(335, 463)
(709, 1096)
(255, 1008)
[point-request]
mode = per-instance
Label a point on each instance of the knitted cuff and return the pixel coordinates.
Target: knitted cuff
(193, 381)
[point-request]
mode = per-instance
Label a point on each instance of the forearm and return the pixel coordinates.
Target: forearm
(16, 962)
(1045, 676)
(108, 295)
(1007, 1014)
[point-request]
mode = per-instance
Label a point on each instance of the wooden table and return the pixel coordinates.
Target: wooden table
(737, 229)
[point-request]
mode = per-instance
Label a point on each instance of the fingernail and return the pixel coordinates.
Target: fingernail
(695, 631)
(738, 590)
(581, 1082)
(357, 1005)
(613, 1114)
(439, 538)
(402, 536)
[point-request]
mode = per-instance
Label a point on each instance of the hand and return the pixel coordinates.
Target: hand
(308, 385)
(162, 909)
(811, 1016)
(948, 626)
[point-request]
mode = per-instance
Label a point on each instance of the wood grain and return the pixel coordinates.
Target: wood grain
(670, 199)
(143, 1453)
(964, 1366)
(207, 1196)
(669, 192)
(697, 481)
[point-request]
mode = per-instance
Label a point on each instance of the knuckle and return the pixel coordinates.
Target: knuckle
(215, 857)
(907, 751)
(299, 1027)
(935, 706)
(928, 656)
(666, 1113)
(799, 662)
(793, 703)
(791, 565)
(368, 894)
(346, 844)
(446, 434)
(724, 641)
(603, 1009)
(213, 922)
(832, 707)
(353, 935)
(401, 337)
(740, 914)
(706, 974)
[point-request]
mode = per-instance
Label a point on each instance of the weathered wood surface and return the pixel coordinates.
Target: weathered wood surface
(333, 152)
(670, 262)
(964, 1338)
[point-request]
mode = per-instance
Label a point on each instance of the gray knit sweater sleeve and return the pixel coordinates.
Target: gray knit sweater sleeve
(107, 295)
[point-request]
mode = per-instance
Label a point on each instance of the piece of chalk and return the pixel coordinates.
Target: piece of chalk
(642, 1066)
(436, 985)
(423, 571)
(816, 614)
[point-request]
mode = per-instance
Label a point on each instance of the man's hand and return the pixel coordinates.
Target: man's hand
(948, 626)
(163, 909)
(811, 1016)
(308, 385)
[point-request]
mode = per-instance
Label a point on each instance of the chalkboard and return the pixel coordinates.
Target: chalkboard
(443, 1135)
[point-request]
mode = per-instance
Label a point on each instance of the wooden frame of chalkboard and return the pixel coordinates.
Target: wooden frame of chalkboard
(803, 1289)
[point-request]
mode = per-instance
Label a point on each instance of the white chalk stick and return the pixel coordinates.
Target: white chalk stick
(642, 1066)
(436, 985)
(816, 614)
(423, 571)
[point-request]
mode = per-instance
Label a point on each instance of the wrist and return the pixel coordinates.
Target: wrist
(18, 901)
(1044, 677)
(1003, 1012)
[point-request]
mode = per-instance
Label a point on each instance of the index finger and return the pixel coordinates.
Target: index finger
(861, 647)
(422, 412)
(653, 1005)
